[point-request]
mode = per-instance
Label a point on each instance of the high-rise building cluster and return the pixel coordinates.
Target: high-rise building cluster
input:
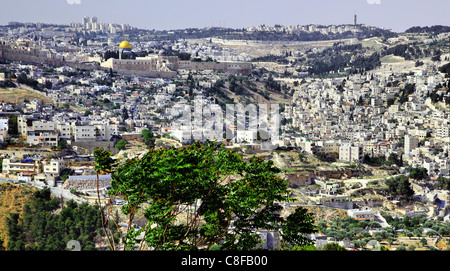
(92, 24)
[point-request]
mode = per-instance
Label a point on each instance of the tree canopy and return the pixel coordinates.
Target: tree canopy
(418, 173)
(121, 144)
(400, 187)
(149, 138)
(204, 195)
(41, 229)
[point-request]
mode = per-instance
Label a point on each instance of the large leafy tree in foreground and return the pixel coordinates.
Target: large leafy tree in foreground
(202, 195)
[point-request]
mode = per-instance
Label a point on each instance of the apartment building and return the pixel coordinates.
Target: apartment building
(246, 136)
(64, 130)
(420, 134)
(104, 132)
(43, 139)
(37, 132)
(328, 146)
(98, 132)
(3, 129)
(350, 153)
(84, 133)
(335, 201)
(182, 135)
(20, 167)
(53, 167)
(42, 133)
(362, 214)
(23, 122)
(411, 142)
(443, 132)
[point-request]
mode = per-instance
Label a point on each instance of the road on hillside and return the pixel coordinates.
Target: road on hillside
(56, 191)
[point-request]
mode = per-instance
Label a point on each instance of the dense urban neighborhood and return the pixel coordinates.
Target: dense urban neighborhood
(359, 121)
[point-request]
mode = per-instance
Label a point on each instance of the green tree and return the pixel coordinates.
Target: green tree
(13, 128)
(395, 159)
(16, 235)
(418, 173)
(333, 247)
(400, 186)
(417, 231)
(41, 228)
(149, 138)
(423, 241)
(390, 102)
(62, 144)
(65, 173)
(409, 234)
(213, 189)
(322, 225)
(383, 248)
(401, 248)
(390, 240)
(121, 144)
(432, 233)
(304, 248)
(379, 238)
(296, 225)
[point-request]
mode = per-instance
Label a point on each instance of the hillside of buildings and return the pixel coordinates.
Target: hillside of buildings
(358, 115)
(296, 33)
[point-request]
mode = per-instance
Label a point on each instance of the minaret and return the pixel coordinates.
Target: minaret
(355, 19)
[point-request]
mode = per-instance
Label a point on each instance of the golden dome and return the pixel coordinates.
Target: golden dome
(125, 45)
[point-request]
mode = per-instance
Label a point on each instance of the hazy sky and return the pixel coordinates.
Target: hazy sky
(397, 15)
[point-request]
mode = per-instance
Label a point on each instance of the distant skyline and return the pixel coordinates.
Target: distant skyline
(397, 15)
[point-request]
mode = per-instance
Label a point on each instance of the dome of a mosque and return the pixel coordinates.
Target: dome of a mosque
(125, 45)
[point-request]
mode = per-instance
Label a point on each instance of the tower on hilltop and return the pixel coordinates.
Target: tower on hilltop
(355, 19)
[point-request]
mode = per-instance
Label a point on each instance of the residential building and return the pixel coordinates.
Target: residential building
(362, 214)
(84, 133)
(20, 167)
(350, 153)
(340, 202)
(411, 142)
(328, 146)
(443, 132)
(246, 136)
(43, 139)
(3, 129)
(64, 130)
(53, 167)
